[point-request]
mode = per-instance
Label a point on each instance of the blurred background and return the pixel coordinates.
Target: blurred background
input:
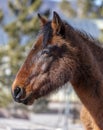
(19, 26)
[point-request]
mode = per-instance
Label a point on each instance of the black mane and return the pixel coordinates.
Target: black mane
(84, 35)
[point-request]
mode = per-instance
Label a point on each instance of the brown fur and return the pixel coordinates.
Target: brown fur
(61, 54)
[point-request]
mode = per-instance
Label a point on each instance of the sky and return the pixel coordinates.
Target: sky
(98, 2)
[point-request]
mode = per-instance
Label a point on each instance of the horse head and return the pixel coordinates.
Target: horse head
(49, 64)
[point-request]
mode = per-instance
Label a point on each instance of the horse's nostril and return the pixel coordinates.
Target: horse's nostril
(18, 91)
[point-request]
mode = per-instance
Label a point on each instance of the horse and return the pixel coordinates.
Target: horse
(60, 54)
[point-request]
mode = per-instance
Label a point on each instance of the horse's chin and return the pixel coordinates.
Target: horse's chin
(27, 102)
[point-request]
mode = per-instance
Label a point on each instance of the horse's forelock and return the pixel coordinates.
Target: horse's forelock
(47, 34)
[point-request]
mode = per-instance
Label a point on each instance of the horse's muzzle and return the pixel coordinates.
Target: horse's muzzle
(17, 93)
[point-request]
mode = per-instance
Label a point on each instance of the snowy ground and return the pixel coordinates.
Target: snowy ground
(38, 122)
(45, 121)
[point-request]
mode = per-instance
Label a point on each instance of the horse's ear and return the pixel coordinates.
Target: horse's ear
(56, 23)
(43, 20)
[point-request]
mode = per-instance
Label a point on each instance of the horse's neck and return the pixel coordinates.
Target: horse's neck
(88, 81)
(97, 51)
(88, 76)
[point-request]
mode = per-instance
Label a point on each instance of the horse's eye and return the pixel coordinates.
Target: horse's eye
(45, 51)
(51, 50)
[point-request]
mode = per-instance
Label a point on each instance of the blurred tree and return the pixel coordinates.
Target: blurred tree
(21, 32)
(100, 10)
(1, 15)
(5, 98)
(82, 8)
(67, 8)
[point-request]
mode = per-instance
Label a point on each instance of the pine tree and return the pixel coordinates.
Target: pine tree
(1, 15)
(67, 8)
(82, 9)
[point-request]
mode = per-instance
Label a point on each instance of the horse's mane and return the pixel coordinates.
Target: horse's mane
(84, 35)
(88, 37)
